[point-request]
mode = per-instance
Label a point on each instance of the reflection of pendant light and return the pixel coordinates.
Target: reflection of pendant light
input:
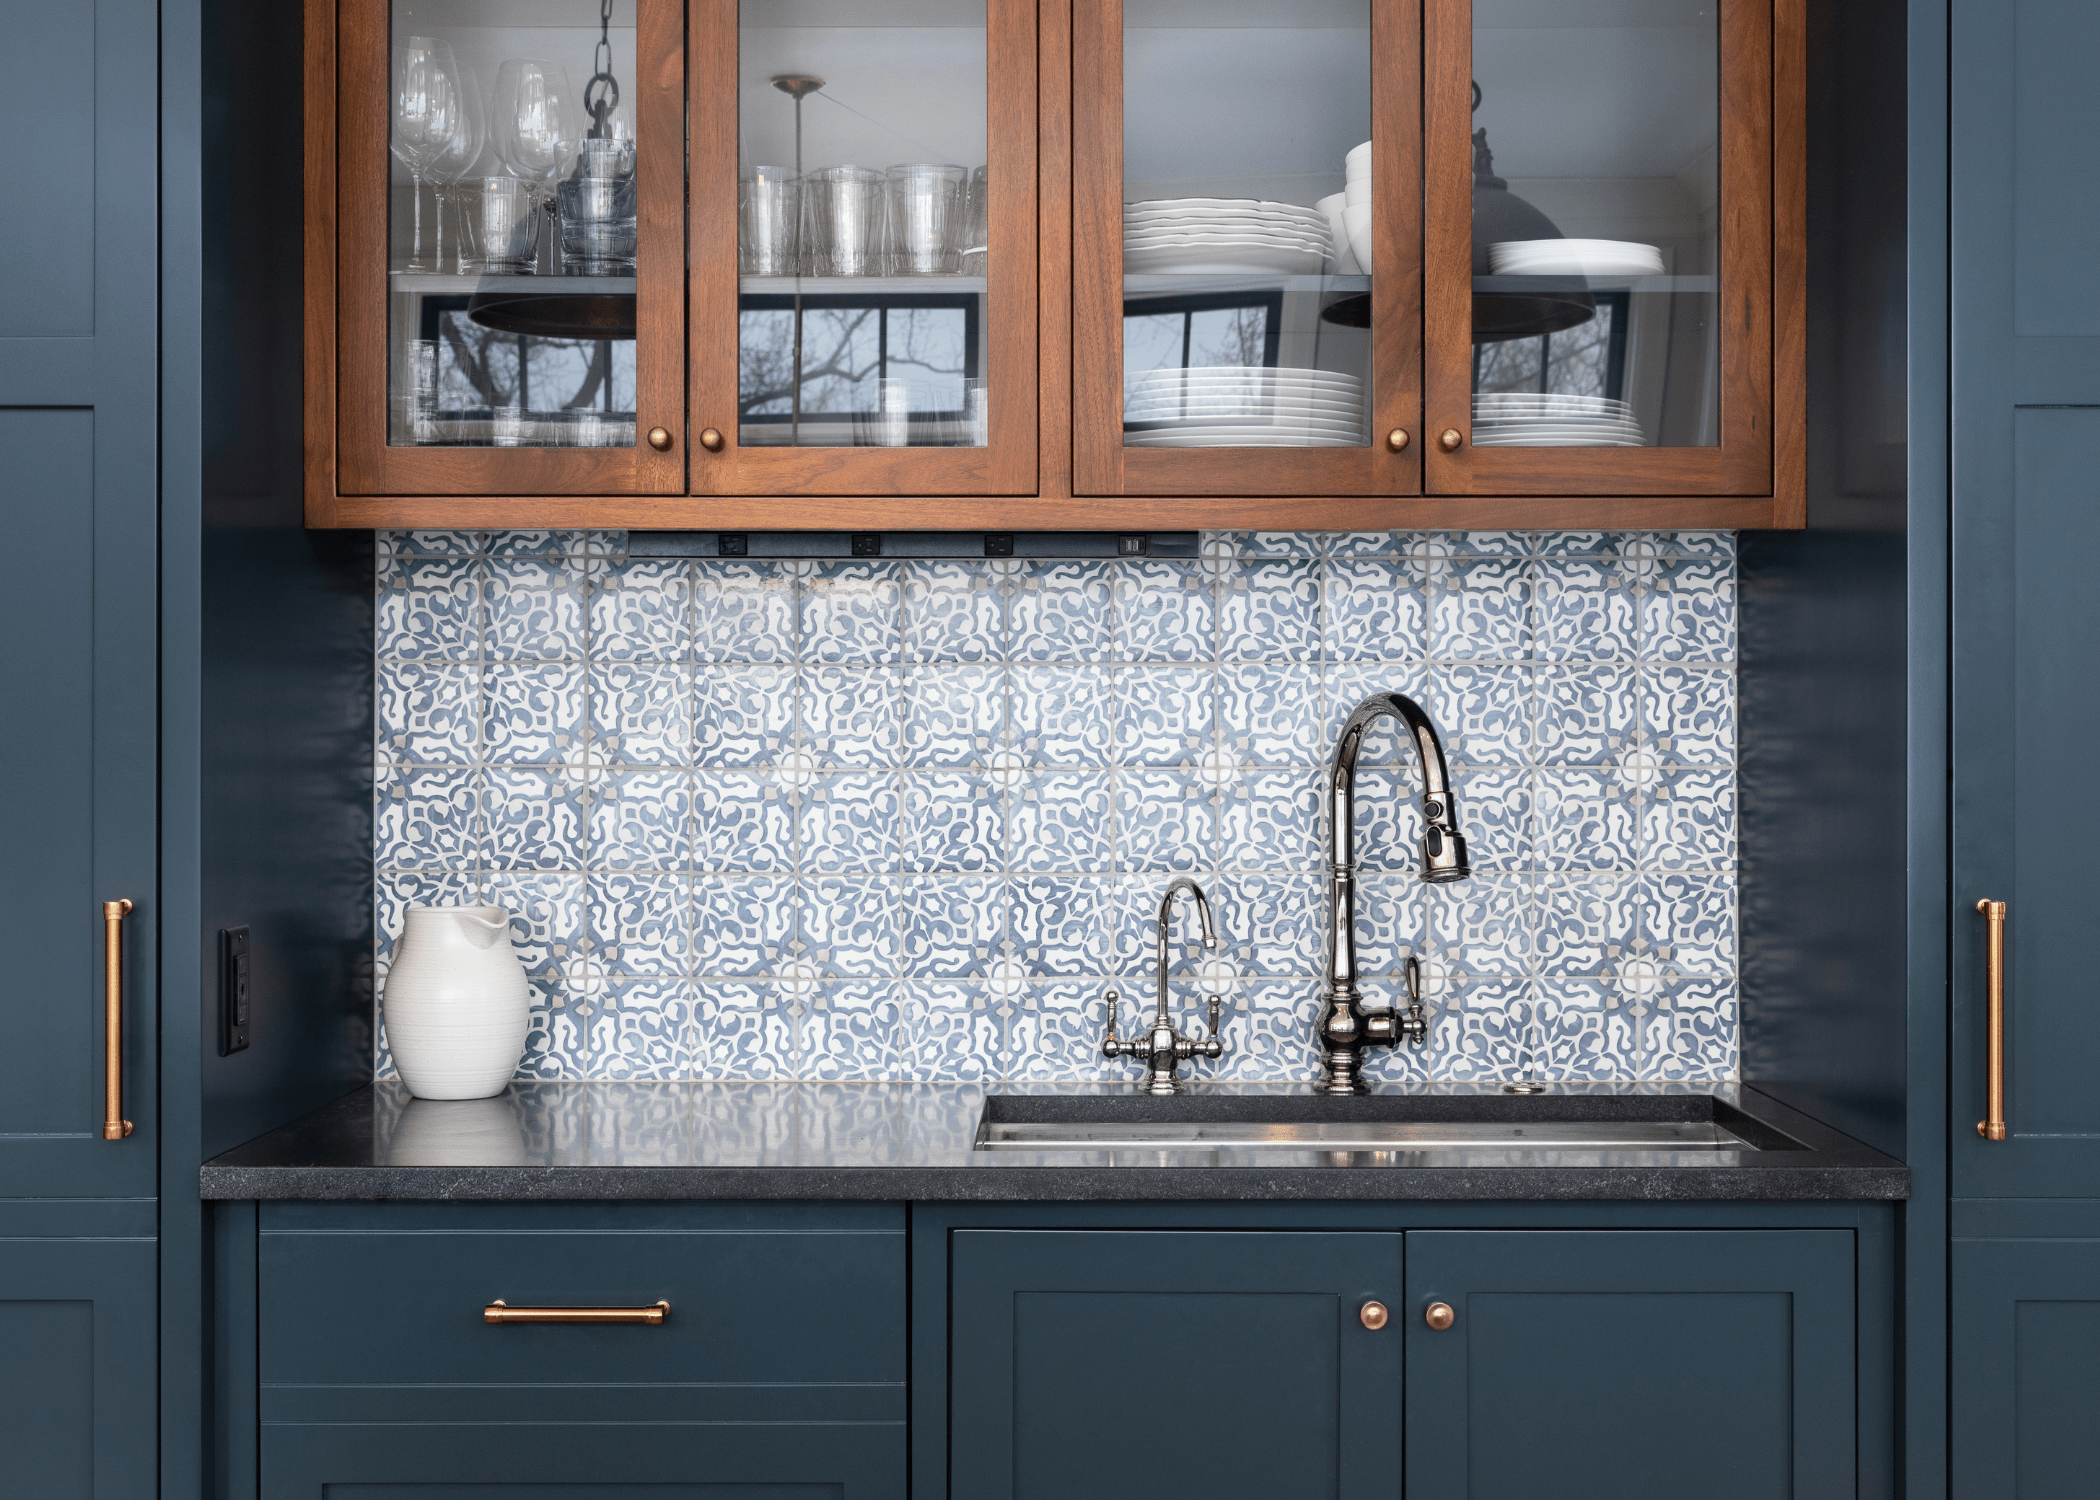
(1498, 216)
(591, 316)
(797, 86)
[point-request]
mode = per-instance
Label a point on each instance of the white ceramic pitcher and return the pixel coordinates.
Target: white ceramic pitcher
(457, 1006)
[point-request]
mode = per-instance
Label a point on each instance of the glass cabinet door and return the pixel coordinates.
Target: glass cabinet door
(1598, 289)
(509, 264)
(863, 229)
(1245, 305)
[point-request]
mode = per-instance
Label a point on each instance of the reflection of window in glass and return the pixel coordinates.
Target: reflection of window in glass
(1218, 329)
(849, 343)
(480, 366)
(1586, 360)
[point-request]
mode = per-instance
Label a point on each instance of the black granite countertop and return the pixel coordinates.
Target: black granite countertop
(918, 1141)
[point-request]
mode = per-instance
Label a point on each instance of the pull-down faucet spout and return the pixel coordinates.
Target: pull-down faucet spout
(1346, 1028)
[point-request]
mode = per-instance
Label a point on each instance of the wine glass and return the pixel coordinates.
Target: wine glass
(458, 158)
(535, 121)
(429, 107)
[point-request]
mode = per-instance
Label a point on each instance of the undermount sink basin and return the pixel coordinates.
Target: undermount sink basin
(1474, 1127)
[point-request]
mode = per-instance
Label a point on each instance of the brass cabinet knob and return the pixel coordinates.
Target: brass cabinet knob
(1373, 1315)
(1450, 440)
(1439, 1315)
(1396, 439)
(711, 439)
(660, 439)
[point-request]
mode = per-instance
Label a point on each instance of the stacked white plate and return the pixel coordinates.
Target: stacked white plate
(1223, 236)
(1243, 406)
(1574, 258)
(1515, 419)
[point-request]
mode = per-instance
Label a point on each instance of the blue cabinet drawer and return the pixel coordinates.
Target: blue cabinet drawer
(374, 1312)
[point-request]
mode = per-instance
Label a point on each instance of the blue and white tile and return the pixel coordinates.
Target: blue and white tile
(1585, 611)
(1164, 821)
(851, 823)
(744, 1031)
(955, 822)
(1580, 1035)
(1061, 924)
(1487, 925)
(645, 1030)
(744, 715)
(428, 819)
(1587, 714)
(389, 545)
(1387, 833)
(743, 821)
(1273, 543)
(1269, 714)
(557, 1035)
(952, 612)
(534, 712)
(535, 819)
(642, 820)
(535, 610)
(640, 923)
(743, 611)
(1063, 715)
(852, 612)
(1343, 688)
(1482, 611)
(642, 712)
(548, 930)
(1056, 1033)
(951, 926)
(1269, 1033)
(1591, 544)
(1713, 545)
(852, 717)
(1689, 922)
(1481, 1030)
(1693, 1034)
(1058, 611)
(1487, 713)
(642, 610)
(1392, 921)
(743, 924)
(1164, 612)
(953, 714)
(429, 610)
(538, 542)
(1585, 924)
(1164, 716)
(1505, 818)
(849, 925)
(429, 712)
(1062, 821)
(854, 1032)
(952, 1035)
(1689, 613)
(1688, 713)
(1270, 611)
(1584, 821)
(1272, 821)
(1373, 609)
(1274, 925)
(1688, 820)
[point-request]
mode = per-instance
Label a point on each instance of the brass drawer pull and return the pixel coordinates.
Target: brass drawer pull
(500, 1311)
(114, 1126)
(1993, 1128)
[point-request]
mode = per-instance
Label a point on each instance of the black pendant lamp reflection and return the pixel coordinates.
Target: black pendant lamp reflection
(569, 315)
(1500, 215)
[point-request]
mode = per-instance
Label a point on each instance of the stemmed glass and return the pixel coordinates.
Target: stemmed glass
(429, 110)
(457, 161)
(535, 122)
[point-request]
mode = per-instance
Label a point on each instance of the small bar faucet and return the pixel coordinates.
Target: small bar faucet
(1346, 1028)
(1163, 1047)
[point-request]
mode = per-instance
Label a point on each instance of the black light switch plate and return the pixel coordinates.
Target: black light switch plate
(233, 990)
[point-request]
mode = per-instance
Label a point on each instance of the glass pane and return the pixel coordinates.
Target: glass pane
(512, 224)
(862, 217)
(1246, 303)
(1596, 223)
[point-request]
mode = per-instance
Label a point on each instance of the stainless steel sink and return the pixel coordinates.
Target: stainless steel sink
(1377, 1135)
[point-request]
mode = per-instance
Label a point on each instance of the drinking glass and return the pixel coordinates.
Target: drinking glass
(769, 222)
(428, 112)
(597, 210)
(845, 222)
(535, 121)
(416, 397)
(500, 233)
(889, 424)
(977, 228)
(457, 160)
(924, 202)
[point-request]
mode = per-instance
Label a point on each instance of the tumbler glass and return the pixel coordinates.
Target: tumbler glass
(844, 207)
(501, 229)
(977, 229)
(416, 395)
(889, 424)
(596, 206)
(926, 205)
(769, 222)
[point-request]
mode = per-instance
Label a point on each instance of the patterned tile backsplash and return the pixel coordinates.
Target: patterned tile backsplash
(909, 820)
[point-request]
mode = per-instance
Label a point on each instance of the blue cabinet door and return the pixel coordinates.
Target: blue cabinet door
(2026, 613)
(2026, 1385)
(1126, 1365)
(1631, 1364)
(77, 1368)
(78, 612)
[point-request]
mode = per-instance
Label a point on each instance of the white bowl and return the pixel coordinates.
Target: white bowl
(1358, 162)
(1358, 191)
(1574, 258)
(1345, 262)
(1356, 218)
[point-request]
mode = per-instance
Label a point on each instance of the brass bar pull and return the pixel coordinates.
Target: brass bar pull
(1993, 1128)
(114, 1126)
(500, 1311)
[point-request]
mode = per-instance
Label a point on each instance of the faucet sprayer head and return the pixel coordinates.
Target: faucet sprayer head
(1443, 847)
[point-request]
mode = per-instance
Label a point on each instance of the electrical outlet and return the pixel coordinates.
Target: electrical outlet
(233, 990)
(867, 544)
(732, 544)
(1133, 546)
(998, 544)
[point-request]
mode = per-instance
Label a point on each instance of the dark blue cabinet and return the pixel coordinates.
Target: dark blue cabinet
(1626, 1364)
(2026, 1323)
(1120, 1364)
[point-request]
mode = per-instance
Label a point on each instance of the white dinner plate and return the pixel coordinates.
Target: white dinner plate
(1556, 443)
(1255, 372)
(1313, 426)
(1243, 411)
(1241, 391)
(1216, 260)
(1527, 401)
(1631, 431)
(1253, 437)
(1234, 205)
(1309, 224)
(1574, 258)
(1212, 241)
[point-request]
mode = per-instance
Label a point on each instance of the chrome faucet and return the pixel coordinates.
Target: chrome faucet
(1346, 1028)
(1162, 1047)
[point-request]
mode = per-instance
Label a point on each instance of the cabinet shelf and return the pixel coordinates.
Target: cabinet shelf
(445, 283)
(1536, 284)
(848, 286)
(1176, 281)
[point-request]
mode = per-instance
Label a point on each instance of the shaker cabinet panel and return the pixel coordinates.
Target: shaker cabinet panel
(2025, 1387)
(1122, 1363)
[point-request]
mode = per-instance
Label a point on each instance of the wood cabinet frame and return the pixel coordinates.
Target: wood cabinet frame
(1052, 53)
